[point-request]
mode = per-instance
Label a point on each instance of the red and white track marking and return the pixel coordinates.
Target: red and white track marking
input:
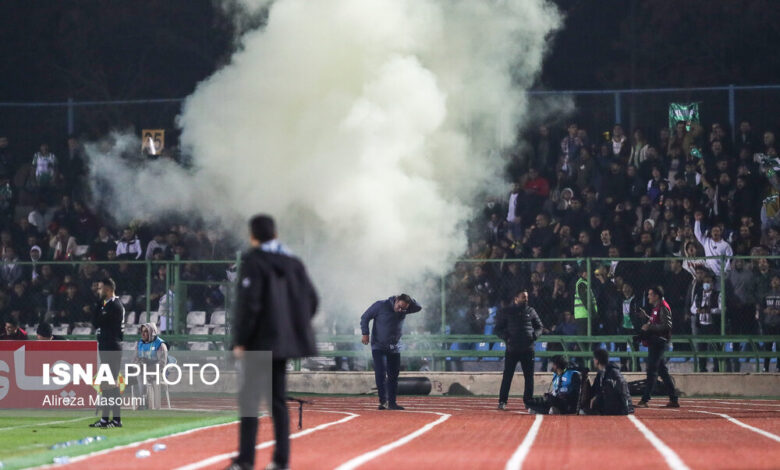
(672, 459)
(263, 445)
(368, 456)
(516, 461)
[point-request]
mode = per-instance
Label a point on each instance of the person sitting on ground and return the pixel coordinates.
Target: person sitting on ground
(609, 392)
(564, 395)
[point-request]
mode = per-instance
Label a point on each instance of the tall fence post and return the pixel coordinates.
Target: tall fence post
(590, 295)
(149, 291)
(178, 299)
(732, 114)
(443, 327)
(722, 298)
(618, 110)
(71, 117)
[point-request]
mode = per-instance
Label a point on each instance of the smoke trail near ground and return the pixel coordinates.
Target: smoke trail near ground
(368, 128)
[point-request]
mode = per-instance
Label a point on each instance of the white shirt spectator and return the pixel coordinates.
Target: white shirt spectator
(132, 247)
(713, 248)
(153, 245)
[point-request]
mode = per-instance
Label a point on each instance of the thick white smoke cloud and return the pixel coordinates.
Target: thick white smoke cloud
(368, 128)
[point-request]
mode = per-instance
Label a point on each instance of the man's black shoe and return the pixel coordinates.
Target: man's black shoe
(235, 465)
(502, 406)
(101, 423)
(395, 406)
(382, 406)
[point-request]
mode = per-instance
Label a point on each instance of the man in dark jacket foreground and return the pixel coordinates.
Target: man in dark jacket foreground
(388, 316)
(610, 390)
(519, 326)
(276, 301)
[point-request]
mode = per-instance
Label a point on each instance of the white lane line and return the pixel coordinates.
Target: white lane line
(361, 459)
(218, 458)
(44, 424)
(79, 458)
(768, 434)
(672, 459)
(516, 461)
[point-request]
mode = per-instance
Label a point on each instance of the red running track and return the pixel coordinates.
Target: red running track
(465, 433)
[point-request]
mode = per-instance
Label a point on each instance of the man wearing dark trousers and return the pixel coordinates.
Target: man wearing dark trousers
(276, 302)
(109, 319)
(519, 326)
(656, 335)
(388, 316)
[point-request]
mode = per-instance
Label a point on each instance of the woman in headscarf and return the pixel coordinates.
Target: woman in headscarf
(151, 350)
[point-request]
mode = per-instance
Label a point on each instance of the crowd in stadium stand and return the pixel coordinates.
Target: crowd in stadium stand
(682, 193)
(43, 218)
(685, 192)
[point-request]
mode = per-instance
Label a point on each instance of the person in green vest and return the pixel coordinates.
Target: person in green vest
(581, 301)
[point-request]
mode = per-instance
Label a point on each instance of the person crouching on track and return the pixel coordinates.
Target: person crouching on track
(519, 326)
(656, 335)
(610, 390)
(564, 395)
(388, 316)
(152, 351)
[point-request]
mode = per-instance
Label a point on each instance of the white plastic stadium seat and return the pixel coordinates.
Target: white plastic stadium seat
(198, 345)
(81, 330)
(154, 318)
(81, 251)
(131, 329)
(217, 318)
(198, 330)
(60, 330)
(196, 318)
(218, 330)
(128, 346)
(130, 318)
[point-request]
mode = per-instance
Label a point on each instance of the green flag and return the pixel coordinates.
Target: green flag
(688, 112)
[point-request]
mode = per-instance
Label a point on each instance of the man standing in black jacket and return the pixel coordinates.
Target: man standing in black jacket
(519, 326)
(388, 316)
(276, 301)
(109, 321)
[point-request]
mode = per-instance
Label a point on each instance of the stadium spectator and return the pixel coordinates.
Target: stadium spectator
(714, 245)
(11, 271)
(769, 313)
(631, 323)
(21, 305)
(706, 310)
(45, 166)
(71, 306)
(63, 245)
(157, 243)
(44, 333)
(571, 144)
(129, 246)
(13, 332)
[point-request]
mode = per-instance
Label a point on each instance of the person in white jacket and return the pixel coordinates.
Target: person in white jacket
(714, 245)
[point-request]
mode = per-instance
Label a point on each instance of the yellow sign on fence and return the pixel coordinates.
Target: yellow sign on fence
(152, 141)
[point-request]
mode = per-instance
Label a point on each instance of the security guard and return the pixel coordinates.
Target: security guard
(581, 313)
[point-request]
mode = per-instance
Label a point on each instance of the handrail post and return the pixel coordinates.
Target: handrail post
(590, 294)
(149, 289)
(722, 302)
(443, 327)
(177, 297)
